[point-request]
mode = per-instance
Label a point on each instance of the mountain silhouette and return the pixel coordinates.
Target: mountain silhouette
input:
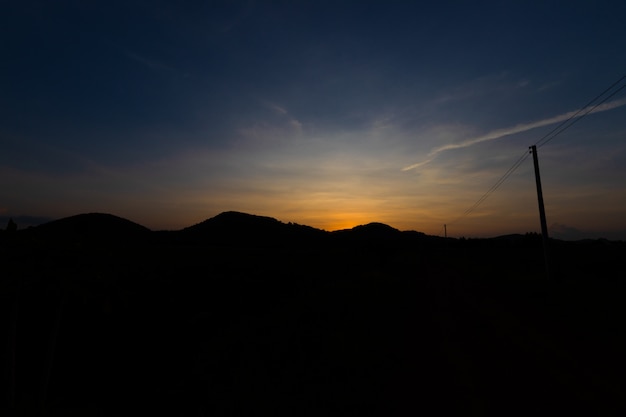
(247, 310)
(234, 221)
(234, 228)
(375, 228)
(89, 228)
(231, 228)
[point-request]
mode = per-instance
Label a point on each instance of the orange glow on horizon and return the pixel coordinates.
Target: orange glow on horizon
(340, 220)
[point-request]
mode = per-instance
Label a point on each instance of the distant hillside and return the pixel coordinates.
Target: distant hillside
(375, 228)
(235, 228)
(24, 222)
(236, 221)
(89, 228)
(229, 228)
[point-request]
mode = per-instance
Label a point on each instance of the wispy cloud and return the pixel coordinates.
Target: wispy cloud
(275, 108)
(500, 133)
(275, 126)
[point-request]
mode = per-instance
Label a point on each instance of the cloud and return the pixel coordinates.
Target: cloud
(500, 133)
(276, 126)
(276, 108)
(417, 165)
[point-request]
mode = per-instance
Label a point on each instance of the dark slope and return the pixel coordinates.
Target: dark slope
(362, 326)
(380, 236)
(372, 229)
(235, 228)
(236, 222)
(228, 228)
(89, 228)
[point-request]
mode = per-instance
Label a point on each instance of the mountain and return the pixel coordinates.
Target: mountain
(229, 228)
(236, 228)
(377, 236)
(371, 230)
(236, 221)
(89, 228)
(24, 222)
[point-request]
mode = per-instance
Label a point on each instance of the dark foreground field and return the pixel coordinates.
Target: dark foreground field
(453, 328)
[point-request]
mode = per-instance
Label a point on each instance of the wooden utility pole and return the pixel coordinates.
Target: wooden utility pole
(542, 211)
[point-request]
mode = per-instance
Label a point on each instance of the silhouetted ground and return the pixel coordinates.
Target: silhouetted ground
(364, 326)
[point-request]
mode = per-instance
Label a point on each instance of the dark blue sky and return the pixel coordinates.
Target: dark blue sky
(170, 112)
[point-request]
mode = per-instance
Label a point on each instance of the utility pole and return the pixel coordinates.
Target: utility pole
(542, 211)
(445, 230)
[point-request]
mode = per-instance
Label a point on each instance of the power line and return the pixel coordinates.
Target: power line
(545, 139)
(494, 187)
(580, 111)
(498, 183)
(578, 119)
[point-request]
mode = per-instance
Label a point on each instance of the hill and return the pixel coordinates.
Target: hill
(243, 314)
(89, 228)
(236, 228)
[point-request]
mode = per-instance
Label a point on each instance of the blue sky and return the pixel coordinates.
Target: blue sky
(321, 113)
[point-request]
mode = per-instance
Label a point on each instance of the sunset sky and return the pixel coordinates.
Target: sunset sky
(330, 114)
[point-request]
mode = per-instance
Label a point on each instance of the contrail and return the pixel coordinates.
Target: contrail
(500, 133)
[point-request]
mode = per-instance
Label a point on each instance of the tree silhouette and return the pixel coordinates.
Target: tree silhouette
(11, 226)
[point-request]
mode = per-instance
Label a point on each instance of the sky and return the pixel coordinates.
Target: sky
(325, 113)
